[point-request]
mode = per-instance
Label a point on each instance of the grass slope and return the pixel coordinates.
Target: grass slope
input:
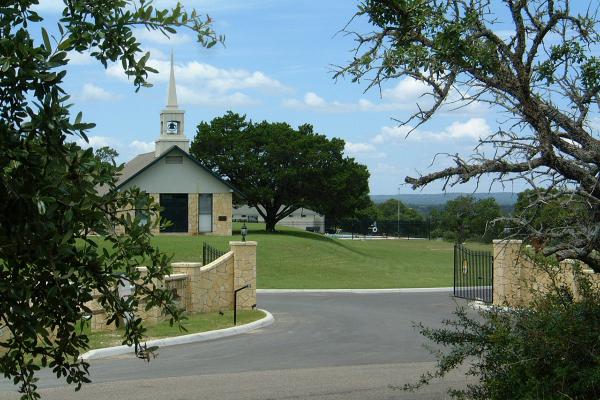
(304, 260)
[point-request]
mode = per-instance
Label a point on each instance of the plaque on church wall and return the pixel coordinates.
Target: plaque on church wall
(222, 218)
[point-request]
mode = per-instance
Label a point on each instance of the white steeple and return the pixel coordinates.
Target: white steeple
(171, 121)
(172, 97)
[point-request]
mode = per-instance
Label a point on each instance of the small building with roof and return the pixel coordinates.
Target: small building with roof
(191, 197)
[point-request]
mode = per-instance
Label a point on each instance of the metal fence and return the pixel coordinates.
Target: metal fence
(387, 228)
(473, 274)
(210, 254)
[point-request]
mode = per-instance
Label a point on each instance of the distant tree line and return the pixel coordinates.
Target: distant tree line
(467, 218)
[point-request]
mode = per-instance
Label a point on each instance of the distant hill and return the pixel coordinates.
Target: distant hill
(425, 202)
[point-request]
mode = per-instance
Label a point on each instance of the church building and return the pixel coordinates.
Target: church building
(194, 199)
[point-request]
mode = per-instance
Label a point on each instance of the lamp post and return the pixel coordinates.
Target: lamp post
(244, 231)
(398, 231)
(235, 293)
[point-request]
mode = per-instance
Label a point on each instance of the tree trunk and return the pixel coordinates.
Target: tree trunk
(270, 224)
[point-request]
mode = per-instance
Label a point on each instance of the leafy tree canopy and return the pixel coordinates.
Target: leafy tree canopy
(542, 73)
(558, 211)
(279, 169)
(394, 209)
(466, 218)
(389, 210)
(51, 208)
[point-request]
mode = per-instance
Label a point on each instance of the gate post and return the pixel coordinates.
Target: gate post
(506, 271)
(244, 272)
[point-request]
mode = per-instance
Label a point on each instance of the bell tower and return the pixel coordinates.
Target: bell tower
(171, 121)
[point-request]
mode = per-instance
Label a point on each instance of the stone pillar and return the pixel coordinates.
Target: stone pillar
(507, 272)
(193, 213)
(98, 322)
(193, 297)
(244, 272)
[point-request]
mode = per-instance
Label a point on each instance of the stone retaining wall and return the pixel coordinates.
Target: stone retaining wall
(201, 288)
(517, 278)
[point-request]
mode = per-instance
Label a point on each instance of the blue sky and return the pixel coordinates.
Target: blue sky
(276, 65)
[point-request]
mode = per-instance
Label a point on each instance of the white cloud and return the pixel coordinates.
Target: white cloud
(312, 101)
(91, 92)
(392, 134)
(96, 142)
(76, 58)
(408, 90)
(141, 147)
(157, 37)
(186, 95)
(404, 96)
(205, 84)
(363, 151)
(358, 148)
(408, 95)
(209, 76)
(472, 129)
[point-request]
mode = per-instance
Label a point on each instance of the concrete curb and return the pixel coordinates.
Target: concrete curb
(183, 339)
(358, 291)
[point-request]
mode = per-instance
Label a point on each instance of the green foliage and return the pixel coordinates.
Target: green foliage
(547, 210)
(548, 351)
(389, 210)
(466, 218)
(279, 169)
(106, 154)
(51, 207)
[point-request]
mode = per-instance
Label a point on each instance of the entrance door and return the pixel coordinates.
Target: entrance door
(205, 213)
(175, 209)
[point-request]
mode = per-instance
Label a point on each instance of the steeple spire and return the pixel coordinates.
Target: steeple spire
(171, 121)
(172, 98)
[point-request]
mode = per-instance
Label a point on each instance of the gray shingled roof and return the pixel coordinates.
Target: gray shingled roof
(142, 161)
(134, 166)
(131, 168)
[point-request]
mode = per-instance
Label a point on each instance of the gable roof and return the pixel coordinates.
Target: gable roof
(142, 162)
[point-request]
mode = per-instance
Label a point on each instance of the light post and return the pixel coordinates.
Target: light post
(398, 231)
(244, 231)
(235, 292)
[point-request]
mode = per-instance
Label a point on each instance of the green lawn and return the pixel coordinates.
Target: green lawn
(194, 324)
(304, 260)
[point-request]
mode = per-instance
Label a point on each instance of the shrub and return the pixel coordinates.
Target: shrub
(548, 351)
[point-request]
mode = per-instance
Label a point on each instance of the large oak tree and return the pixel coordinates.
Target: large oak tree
(535, 62)
(279, 169)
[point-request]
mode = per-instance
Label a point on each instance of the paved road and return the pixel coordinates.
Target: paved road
(321, 346)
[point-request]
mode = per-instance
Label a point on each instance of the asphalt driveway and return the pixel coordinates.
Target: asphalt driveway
(321, 346)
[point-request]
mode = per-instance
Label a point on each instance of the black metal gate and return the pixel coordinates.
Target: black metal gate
(473, 274)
